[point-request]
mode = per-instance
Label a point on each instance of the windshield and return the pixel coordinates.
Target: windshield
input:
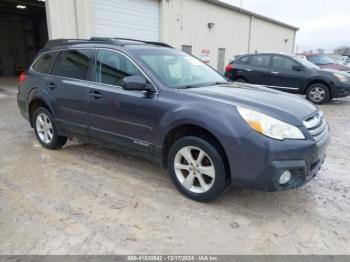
(321, 59)
(306, 63)
(179, 70)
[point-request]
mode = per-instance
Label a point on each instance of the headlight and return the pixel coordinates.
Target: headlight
(341, 78)
(270, 126)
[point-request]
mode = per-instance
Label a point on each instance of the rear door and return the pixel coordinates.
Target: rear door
(69, 85)
(121, 117)
(258, 70)
(285, 75)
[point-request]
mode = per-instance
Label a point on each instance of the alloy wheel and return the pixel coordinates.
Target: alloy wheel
(44, 128)
(194, 169)
(317, 94)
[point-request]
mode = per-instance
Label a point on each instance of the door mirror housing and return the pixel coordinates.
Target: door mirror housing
(297, 68)
(135, 83)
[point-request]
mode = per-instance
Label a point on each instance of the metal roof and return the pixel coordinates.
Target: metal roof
(246, 12)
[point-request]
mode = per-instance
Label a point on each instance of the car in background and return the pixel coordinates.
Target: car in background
(291, 74)
(324, 61)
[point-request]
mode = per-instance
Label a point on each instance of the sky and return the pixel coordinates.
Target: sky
(323, 24)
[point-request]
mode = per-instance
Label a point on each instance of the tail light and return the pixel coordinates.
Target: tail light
(228, 68)
(21, 77)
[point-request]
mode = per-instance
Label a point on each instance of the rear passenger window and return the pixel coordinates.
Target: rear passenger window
(45, 62)
(73, 64)
(113, 67)
(260, 60)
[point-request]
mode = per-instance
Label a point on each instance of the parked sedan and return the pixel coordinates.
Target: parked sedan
(291, 74)
(324, 61)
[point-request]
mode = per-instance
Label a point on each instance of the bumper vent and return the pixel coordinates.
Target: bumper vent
(318, 127)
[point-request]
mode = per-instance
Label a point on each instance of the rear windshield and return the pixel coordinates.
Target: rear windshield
(45, 62)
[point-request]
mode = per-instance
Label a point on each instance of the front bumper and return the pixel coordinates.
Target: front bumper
(341, 90)
(262, 161)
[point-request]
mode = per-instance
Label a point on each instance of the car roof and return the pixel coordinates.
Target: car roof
(289, 55)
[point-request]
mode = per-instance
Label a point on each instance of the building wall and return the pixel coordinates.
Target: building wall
(69, 18)
(182, 22)
(270, 37)
(185, 22)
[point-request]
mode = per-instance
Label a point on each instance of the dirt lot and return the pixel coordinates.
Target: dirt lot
(88, 200)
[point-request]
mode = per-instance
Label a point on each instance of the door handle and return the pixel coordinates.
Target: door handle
(275, 73)
(51, 85)
(96, 95)
(249, 70)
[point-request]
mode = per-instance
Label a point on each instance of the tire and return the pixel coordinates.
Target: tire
(318, 94)
(46, 131)
(202, 180)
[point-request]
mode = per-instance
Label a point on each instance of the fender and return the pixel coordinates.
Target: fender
(222, 122)
(320, 79)
(38, 93)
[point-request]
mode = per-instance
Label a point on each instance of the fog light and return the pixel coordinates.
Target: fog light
(285, 177)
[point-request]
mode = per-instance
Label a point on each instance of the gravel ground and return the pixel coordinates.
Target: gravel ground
(85, 199)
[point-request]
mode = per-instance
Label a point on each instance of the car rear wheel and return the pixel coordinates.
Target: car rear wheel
(197, 169)
(46, 131)
(318, 94)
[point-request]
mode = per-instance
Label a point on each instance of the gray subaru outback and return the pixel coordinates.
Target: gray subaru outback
(150, 100)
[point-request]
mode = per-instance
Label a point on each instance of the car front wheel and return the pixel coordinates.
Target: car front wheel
(197, 169)
(318, 94)
(46, 131)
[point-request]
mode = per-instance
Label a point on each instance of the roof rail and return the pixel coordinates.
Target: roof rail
(107, 40)
(62, 41)
(117, 40)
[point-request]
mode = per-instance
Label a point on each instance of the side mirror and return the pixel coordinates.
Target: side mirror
(134, 83)
(297, 68)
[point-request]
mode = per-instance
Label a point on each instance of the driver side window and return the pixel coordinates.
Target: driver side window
(112, 67)
(280, 62)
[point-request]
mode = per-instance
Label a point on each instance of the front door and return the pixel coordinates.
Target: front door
(69, 86)
(117, 116)
(284, 74)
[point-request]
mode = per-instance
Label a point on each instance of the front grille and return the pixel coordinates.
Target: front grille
(318, 127)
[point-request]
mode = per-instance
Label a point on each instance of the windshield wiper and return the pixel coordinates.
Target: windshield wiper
(202, 85)
(185, 87)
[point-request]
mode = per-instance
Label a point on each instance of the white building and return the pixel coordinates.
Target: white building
(209, 29)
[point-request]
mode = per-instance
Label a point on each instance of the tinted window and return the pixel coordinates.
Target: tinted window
(244, 60)
(260, 60)
(73, 64)
(283, 63)
(320, 60)
(113, 67)
(45, 62)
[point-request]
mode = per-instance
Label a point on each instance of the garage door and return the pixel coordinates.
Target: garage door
(139, 19)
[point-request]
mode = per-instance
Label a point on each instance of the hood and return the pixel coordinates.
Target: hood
(283, 106)
(336, 67)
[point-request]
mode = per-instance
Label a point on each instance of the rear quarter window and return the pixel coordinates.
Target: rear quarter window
(45, 63)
